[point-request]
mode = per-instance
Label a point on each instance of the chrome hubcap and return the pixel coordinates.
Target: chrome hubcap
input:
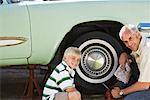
(97, 61)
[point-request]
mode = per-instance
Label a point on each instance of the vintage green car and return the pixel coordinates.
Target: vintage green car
(38, 32)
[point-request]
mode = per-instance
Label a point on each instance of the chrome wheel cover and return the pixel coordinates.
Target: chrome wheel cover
(98, 62)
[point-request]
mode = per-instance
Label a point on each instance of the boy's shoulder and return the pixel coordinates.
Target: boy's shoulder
(61, 67)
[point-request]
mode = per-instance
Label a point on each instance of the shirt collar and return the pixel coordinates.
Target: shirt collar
(68, 68)
(143, 40)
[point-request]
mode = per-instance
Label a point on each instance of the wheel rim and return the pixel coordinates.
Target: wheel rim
(94, 60)
(98, 62)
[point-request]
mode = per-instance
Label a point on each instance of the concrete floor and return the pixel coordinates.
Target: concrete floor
(12, 84)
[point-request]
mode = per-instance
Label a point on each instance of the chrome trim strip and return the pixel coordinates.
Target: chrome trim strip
(11, 41)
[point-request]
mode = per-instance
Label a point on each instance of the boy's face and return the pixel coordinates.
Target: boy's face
(72, 60)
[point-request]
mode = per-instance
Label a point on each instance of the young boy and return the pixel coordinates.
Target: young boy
(60, 84)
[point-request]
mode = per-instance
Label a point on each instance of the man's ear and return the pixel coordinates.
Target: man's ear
(138, 35)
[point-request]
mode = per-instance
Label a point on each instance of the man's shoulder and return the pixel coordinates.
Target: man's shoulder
(148, 42)
(146, 46)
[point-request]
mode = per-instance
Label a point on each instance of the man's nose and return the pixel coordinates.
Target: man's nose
(129, 43)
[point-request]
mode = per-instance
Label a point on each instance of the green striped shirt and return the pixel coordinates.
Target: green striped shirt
(61, 78)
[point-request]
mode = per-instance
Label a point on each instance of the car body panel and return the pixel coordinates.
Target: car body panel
(44, 24)
(66, 15)
(14, 25)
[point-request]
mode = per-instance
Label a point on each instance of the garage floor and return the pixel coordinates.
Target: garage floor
(12, 84)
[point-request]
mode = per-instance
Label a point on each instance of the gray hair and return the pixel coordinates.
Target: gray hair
(132, 28)
(71, 50)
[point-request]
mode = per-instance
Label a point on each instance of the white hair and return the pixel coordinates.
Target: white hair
(132, 28)
(71, 50)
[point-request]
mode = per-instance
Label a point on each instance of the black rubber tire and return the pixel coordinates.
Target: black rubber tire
(93, 40)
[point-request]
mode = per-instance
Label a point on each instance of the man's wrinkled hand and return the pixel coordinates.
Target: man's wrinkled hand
(115, 92)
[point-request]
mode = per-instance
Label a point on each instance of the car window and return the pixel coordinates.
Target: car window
(9, 1)
(1, 1)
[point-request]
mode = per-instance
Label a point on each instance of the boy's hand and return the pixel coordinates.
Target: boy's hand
(75, 95)
(71, 89)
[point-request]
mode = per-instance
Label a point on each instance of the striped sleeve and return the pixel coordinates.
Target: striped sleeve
(50, 88)
(64, 80)
(48, 97)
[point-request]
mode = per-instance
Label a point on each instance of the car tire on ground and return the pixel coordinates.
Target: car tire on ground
(98, 62)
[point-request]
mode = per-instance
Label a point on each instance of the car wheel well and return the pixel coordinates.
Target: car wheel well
(108, 27)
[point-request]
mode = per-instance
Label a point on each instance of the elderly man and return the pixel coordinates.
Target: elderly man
(140, 46)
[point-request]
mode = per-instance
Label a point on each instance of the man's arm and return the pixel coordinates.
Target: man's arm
(138, 86)
(123, 58)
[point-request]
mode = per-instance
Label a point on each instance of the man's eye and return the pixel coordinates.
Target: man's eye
(130, 38)
(125, 42)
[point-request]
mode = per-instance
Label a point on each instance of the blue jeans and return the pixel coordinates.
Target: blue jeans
(141, 95)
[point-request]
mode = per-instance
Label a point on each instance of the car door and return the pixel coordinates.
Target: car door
(15, 41)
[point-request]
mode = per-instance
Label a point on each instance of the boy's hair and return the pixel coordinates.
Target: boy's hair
(71, 50)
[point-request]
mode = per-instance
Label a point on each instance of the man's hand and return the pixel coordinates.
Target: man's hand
(115, 92)
(75, 95)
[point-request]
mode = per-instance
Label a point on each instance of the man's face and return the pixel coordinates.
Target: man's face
(73, 60)
(131, 40)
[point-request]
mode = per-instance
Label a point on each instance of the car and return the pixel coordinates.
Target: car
(38, 32)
